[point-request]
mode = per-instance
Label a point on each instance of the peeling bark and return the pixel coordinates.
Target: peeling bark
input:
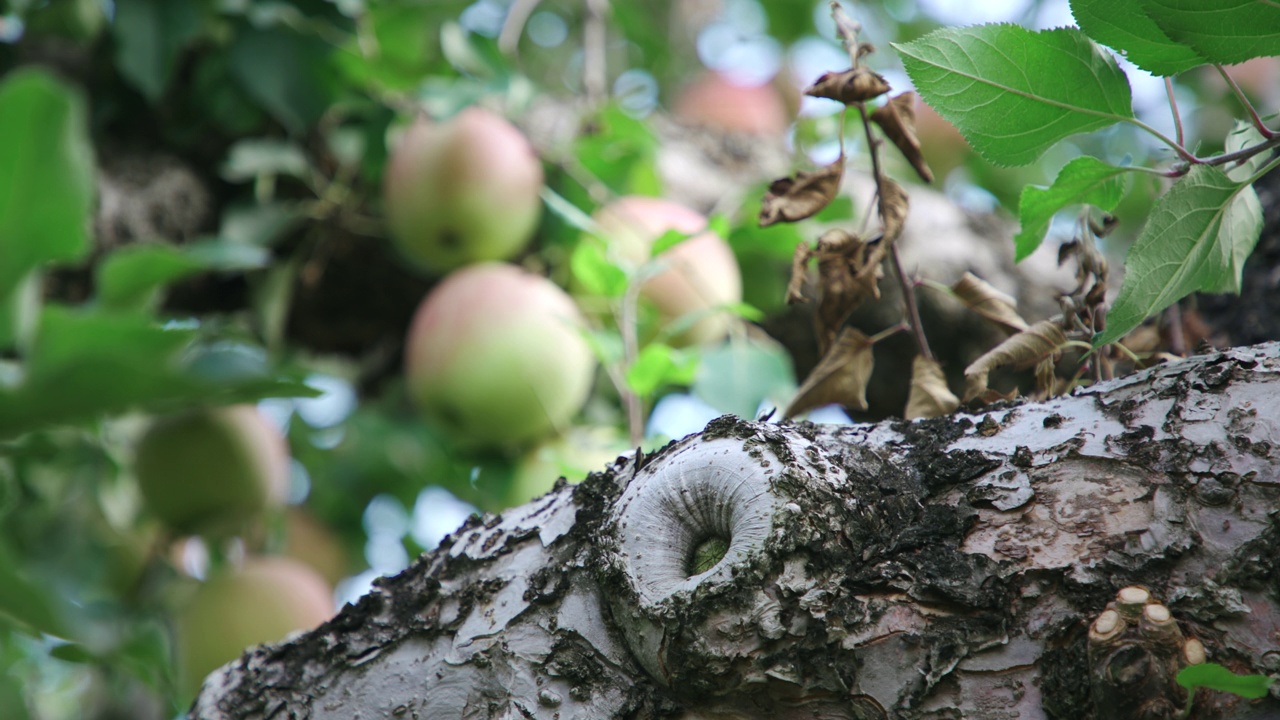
(944, 568)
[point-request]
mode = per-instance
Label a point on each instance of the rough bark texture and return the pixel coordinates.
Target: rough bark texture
(947, 568)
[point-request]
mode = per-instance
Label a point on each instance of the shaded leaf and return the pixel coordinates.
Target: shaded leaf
(252, 157)
(795, 198)
(1217, 677)
(1013, 92)
(150, 35)
(840, 378)
(1196, 239)
(1124, 26)
(29, 602)
(849, 86)
(929, 396)
(979, 296)
(1222, 31)
(285, 72)
(133, 276)
(897, 118)
(1083, 181)
(1022, 350)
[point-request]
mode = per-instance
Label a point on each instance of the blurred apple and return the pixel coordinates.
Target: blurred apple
(311, 541)
(716, 101)
(462, 191)
(212, 471)
(497, 357)
(262, 601)
(573, 455)
(700, 275)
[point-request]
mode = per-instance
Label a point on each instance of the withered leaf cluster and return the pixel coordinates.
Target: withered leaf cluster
(849, 271)
(791, 199)
(897, 118)
(979, 296)
(839, 378)
(929, 396)
(1036, 345)
(849, 86)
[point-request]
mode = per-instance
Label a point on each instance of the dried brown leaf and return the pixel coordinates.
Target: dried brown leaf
(795, 198)
(799, 269)
(979, 296)
(848, 274)
(929, 396)
(1026, 348)
(897, 118)
(849, 86)
(893, 208)
(840, 377)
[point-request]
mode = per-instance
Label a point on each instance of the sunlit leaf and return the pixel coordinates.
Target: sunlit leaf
(133, 276)
(1125, 26)
(1216, 677)
(1196, 239)
(1013, 92)
(657, 365)
(1083, 181)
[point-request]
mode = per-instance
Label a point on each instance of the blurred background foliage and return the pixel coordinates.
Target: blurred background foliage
(191, 216)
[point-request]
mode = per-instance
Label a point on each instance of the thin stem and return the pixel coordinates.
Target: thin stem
(1244, 153)
(1178, 148)
(627, 324)
(848, 29)
(909, 299)
(594, 79)
(513, 27)
(1173, 107)
(1267, 132)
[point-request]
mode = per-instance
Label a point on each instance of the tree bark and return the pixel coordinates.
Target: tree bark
(945, 568)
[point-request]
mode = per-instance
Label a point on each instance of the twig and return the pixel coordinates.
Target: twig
(1173, 106)
(513, 26)
(1266, 132)
(594, 51)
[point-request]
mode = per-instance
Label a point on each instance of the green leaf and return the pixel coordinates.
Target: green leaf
(29, 602)
(567, 211)
(1217, 677)
(1083, 181)
(595, 272)
(46, 177)
(1223, 31)
(132, 277)
(668, 240)
(1124, 26)
(469, 53)
(621, 153)
(86, 365)
(1196, 239)
(149, 35)
(1012, 92)
(285, 72)
(259, 224)
(659, 364)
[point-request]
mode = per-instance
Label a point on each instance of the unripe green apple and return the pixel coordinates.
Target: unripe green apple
(573, 455)
(212, 471)
(701, 273)
(714, 100)
(262, 601)
(496, 356)
(462, 191)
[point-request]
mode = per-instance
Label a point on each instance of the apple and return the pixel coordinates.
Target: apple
(701, 273)
(212, 471)
(462, 191)
(308, 539)
(716, 101)
(496, 356)
(262, 601)
(573, 455)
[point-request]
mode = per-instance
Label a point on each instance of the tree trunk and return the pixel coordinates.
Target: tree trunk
(946, 568)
